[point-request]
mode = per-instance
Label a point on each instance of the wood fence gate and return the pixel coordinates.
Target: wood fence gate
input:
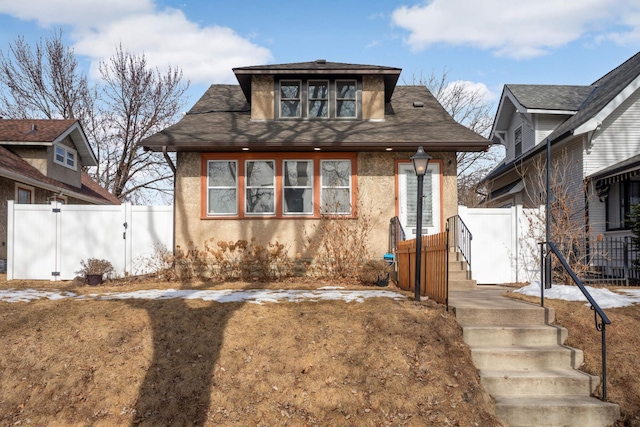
(434, 280)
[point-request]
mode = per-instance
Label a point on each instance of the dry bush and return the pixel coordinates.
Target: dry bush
(375, 272)
(240, 260)
(339, 246)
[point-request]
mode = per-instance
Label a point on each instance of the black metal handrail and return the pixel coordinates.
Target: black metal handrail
(460, 237)
(545, 263)
(396, 234)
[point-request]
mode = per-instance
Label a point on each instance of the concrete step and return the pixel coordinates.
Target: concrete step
(509, 315)
(526, 358)
(458, 265)
(459, 275)
(549, 382)
(461, 284)
(582, 411)
(504, 336)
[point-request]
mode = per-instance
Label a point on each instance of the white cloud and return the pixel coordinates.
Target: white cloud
(472, 87)
(206, 54)
(517, 29)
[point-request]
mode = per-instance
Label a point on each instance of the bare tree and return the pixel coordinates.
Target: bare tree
(129, 103)
(468, 106)
(137, 102)
(42, 81)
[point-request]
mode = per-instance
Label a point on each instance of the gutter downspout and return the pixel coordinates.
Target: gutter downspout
(173, 168)
(168, 159)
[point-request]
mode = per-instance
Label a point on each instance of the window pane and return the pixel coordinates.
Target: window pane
(346, 89)
(223, 201)
(223, 194)
(298, 186)
(260, 183)
(222, 174)
(71, 161)
(336, 173)
(336, 200)
(24, 196)
(60, 154)
(412, 200)
(318, 90)
(290, 108)
(345, 108)
(336, 186)
(289, 90)
(318, 109)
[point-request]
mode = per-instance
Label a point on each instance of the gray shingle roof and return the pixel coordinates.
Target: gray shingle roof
(550, 97)
(221, 121)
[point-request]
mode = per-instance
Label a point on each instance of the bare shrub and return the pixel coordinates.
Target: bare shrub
(375, 272)
(339, 246)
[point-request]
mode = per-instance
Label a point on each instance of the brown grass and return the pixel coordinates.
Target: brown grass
(191, 362)
(623, 343)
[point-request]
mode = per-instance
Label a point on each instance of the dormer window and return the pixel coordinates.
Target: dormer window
(65, 156)
(318, 99)
(517, 141)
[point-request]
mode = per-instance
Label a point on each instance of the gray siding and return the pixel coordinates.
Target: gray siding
(546, 123)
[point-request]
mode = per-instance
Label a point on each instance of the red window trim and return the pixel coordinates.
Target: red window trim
(278, 158)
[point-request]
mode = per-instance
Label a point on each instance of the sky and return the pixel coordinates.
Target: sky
(486, 43)
(604, 297)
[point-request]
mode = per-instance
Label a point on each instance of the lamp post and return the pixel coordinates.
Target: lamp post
(420, 162)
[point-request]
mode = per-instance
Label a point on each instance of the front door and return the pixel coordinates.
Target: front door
(408, 200)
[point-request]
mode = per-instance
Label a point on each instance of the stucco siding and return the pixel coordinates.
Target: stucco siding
(372, 98)
(617, 139)
(376, 202)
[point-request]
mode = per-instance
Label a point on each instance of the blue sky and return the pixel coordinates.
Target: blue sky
(487, 43)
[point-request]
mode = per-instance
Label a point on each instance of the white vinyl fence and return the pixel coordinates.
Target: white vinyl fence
(47, 242)
(504, 248)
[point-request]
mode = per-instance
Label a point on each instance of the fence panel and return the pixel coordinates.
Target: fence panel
(47, 242)
(433, 266)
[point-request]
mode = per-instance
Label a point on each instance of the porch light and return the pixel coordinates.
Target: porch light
(420, 162)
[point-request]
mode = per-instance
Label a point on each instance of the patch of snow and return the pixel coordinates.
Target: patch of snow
(604, 297)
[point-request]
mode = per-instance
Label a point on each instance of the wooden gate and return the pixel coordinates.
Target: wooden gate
(434, 280)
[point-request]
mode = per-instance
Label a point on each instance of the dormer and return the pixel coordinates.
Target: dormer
(527, 114)
(317, 90)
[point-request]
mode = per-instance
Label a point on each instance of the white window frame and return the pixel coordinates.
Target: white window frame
(349, 187)
(222, 187)
(354, 99)
(300, 187)
(248, 187)
(30, 189)
(67, 154)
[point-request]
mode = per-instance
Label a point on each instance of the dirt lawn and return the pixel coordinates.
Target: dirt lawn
(193, 362)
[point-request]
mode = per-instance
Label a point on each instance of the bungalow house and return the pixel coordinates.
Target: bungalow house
(266, 158)
(593, 129)
(42, 161)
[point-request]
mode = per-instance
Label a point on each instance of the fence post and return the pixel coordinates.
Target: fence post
(10, 240)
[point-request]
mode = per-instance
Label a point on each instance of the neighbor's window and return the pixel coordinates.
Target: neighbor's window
(517, 139)
(290, 95)
(222, 187)
(24, 195)
(260, 183)
(336, 186)
(318, 94)
(65, 156)
(621, 197)
(345, 98)
(298, 186)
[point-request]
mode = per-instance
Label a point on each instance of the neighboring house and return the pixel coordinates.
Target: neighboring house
(266, 158)
(41, 161)
(596, 128)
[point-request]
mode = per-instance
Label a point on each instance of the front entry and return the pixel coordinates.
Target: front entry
(408, 201)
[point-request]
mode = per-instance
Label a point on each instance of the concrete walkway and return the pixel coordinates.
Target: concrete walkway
(523, 362)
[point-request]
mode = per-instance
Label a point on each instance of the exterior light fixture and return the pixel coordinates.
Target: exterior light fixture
(420, 162)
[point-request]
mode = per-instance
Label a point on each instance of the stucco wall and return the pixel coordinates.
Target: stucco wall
(376, 202)
(262, 94)
(7, 192)
(372, 98)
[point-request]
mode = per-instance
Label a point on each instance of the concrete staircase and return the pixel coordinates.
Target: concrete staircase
(524, 364)
(459, 272)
